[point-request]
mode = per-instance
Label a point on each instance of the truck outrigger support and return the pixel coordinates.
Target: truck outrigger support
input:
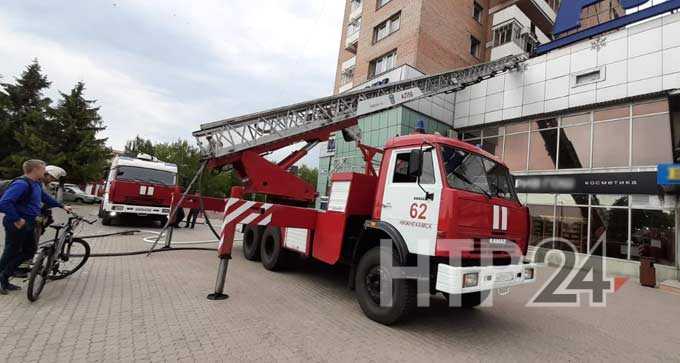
(221, 278)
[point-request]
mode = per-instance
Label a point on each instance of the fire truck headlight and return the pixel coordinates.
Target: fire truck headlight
(528, 273)
(470, 279)
(113, 214)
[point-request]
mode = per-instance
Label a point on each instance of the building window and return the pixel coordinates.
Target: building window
(347, 76)
(653, 235)
(383, 64)
(382, 3)
(386, 28)
(474, 46)
(504, 34)
(477, 12)
(611, 144)
(651, 129)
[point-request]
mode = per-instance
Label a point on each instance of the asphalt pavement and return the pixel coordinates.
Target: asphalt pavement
(155, 309)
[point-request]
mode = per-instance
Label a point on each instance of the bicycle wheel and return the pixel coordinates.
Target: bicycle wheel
(38, 276)
(73, 256)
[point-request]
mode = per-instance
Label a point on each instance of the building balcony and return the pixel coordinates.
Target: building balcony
(352, 41)
(349, 64)
(511, 38)
(356, 8)
(539, 12)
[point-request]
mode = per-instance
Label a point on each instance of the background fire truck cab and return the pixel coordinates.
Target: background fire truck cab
(141, 186)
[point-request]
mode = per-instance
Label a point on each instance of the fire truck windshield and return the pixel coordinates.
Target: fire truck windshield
(477, 174)
(134, 173)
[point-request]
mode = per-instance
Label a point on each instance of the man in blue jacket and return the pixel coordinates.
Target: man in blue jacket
(21, 203)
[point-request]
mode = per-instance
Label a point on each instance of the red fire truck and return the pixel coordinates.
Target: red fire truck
(434, 199)
(141, 186)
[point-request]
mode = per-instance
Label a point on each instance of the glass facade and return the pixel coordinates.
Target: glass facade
(623, 138)
(616, 226)
(632, 135)
(376, 129)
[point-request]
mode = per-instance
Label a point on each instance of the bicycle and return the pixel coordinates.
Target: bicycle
(58, 258)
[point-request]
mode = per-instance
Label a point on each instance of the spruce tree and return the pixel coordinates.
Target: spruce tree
(26, 130)
(76, 146)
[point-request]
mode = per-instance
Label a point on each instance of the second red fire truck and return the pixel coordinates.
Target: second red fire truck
(139, 186)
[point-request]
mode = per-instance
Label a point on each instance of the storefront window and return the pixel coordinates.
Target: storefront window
(492, 131)
(540, 198)
(610, 144)
(544, 124)
(647, 108)
(612, 113)
(653, 235)
(515, 155)
(543, 150)
(493, 145)
(572, 199)
(609, 232)
(610, 200)
(652, 140)
(572, 225)
(575, 147)
(517, 127)
(542, 222)
(576, 119)
(471, 134)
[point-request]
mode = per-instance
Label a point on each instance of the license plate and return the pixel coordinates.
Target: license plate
(504, 276)
(498, 241)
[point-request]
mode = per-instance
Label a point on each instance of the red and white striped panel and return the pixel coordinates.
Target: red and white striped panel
(239, 211)
(500, 218)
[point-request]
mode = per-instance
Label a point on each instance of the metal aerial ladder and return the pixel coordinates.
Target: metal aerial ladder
(240, 141)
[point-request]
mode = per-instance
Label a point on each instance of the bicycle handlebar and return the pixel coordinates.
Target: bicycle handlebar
(74, 215)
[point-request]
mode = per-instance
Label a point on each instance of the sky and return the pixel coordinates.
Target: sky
(160, 68)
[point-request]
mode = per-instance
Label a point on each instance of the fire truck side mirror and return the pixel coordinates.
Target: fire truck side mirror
(415, 163)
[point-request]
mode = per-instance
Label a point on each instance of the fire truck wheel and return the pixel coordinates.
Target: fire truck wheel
(367, 281)
(272, 254)
(252, 238)
(106, 220)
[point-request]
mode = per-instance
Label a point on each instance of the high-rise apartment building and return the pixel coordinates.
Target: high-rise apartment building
(435, 35)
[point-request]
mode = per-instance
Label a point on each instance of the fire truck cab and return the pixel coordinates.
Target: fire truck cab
(141, 186)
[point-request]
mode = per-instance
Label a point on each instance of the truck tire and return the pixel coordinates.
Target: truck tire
(471, 299)
(106, 220)
(367, 283)
(274, 257)
(252, 240)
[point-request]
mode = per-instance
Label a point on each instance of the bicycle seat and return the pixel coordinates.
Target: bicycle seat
(57, 226)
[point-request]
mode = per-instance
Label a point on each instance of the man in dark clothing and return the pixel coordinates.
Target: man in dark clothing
(191, 218)
(21, 204)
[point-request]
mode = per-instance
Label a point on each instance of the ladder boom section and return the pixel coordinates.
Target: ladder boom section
(314, 120)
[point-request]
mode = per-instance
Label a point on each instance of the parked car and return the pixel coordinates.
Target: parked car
(73, 194)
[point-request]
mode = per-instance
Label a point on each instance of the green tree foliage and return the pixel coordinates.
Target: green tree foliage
(32, 129)
(308, 174)
(77, 149)
(138, 145)
(188, 160)
(26, 111)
